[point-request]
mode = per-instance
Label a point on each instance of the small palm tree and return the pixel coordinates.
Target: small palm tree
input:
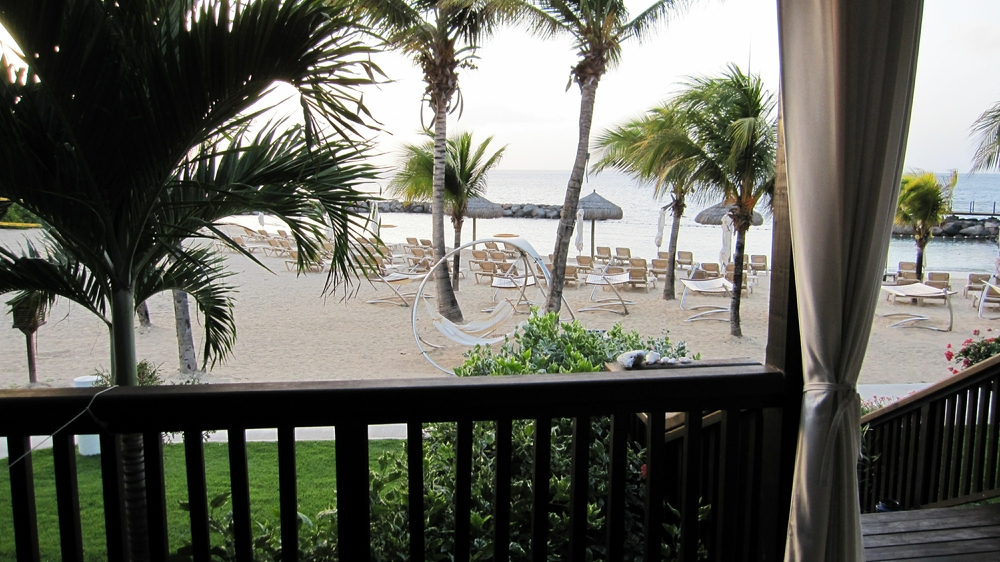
(651, 149)
(922, 206)
(441, 36)
(466, 169)
(733, 132)
(599, 28)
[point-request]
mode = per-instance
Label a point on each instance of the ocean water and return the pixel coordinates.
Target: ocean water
(637, 228)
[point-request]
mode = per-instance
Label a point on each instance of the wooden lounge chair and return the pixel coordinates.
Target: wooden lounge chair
(747, 287)
(758, 263)
(907, 266)
(497, 256)
(584, 264)
(975, 284)
(684, 260)
(492, 247)
(603, 255)
(939, 280)
(416, 256)
(572, 275)
(622, 255)
(659, 267)
(640, 276)
(711, 269)
(478, 257)
(510, 251)
(487, 270)
(293, 262)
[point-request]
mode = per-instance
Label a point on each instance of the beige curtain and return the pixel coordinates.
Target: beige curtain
(847, 80)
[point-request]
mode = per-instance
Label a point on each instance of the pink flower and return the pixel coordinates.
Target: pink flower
(643, 470)
(949, 346)
(948, 355)
(975, 332)
(967, 342)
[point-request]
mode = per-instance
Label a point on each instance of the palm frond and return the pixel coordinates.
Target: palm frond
(987, 132)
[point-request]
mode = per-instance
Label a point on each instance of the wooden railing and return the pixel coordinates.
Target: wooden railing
(937, 447)
(725, 460)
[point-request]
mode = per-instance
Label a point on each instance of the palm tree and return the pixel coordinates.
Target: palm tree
(987, 129)
(646, 148)
(441, 36)
(732, 132)
(599, 28)
(126, 132)
(466, 168)
(922, 206)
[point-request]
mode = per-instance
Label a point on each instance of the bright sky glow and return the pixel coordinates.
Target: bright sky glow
(518, 91)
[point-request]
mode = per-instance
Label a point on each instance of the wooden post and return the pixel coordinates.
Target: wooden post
(592, 223)
(29, 336)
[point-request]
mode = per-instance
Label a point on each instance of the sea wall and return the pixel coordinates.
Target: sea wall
(516, 210)
(958, 228)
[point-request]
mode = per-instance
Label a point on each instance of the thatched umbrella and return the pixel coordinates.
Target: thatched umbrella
(482, 208)
(716, 215)
(597, 208)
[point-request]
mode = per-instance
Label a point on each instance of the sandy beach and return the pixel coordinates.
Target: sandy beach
(288, 331)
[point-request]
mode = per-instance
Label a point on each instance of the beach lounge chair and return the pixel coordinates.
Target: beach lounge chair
(659, 267)
(663, 255)
(747, 287)
(510, 251)
(478, 257)
(975, 284)
(713, 286)
(572, 275)
(907, 266)
(293, 262)
(919, 292)
(711, 269)
(758, 263)
(416, 256)
(603, 255)
(497, 256)
(990, 295)
(492, 247)
(640, 276)
(684, 260)
(584, 264)
(939, 280)
(622, 255)
(487, 270)
(426, 244)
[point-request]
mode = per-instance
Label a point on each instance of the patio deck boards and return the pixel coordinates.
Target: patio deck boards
(952, 533)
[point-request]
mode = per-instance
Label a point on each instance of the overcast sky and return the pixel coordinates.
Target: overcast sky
(518, 93)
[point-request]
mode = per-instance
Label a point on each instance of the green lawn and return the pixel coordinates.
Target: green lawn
(316, 486)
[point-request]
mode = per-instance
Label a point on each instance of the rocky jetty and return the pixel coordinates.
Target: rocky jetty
(516, 210)
(957, 227)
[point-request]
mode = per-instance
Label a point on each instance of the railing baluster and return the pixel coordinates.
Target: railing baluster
(67, 498)
(540, 490)
(893, 461)
(578, 489)
(653, 524)
(501, 504)
(991, 448)
(725, 508)
(353, 512)
(753, 433)
(617, 473)
(935, 457)
(22, 498)
(288, 497)
(947, 444)
(691, 487)
(968, 444)
(156, 496)
(924, 434)
(114, 496)
(463, 489)
(239, 485)
(979, 450)
(194, 460)
(415, 483)
(955, 470)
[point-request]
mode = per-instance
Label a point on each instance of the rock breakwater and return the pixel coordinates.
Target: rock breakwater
(958, 228)
(516, 210)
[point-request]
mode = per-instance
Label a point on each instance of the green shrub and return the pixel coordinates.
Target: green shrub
(18, 214)
(147, 374)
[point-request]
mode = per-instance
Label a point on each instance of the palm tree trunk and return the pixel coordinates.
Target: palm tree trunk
(458, 255)
(920, 261)
(447, 303)
(734, 309)
(142, 311)
(564, 234)
(185, 338)
(675, 231)
(123, 365)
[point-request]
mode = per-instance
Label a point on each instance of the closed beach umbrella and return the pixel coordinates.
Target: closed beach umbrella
(260, 218)
(579, 230)
(376, 220)
(597, 208)
(481, 208)
(727, 240)
(659, 228)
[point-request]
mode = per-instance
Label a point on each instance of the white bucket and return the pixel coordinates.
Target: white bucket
(90, 445)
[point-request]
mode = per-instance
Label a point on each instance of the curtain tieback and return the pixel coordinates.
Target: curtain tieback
(842, 409)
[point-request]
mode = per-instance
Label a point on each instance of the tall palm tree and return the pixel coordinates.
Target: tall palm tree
(113, 98)
(441, 36)
(599, 28)
(922, 205)
(733, 133)
(466, 168)
(647, 149)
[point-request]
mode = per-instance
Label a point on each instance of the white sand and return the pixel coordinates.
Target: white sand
(287, 331)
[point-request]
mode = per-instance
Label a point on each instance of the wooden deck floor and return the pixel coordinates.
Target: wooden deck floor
(955, 533)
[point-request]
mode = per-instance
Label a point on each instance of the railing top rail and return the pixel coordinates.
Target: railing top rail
(938, 391)
(711, 385)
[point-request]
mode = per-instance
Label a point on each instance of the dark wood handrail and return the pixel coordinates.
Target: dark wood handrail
(306, 404)
(937, 447)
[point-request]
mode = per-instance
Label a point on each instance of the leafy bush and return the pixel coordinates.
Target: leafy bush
(147, 374)
(974, 350)
(544, 345)
(18, 214)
